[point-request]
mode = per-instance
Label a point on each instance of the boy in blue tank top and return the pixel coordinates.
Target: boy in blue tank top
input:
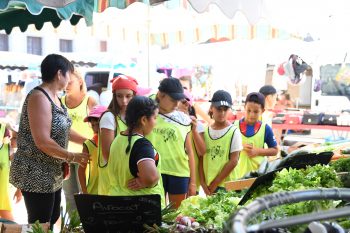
(255, 134)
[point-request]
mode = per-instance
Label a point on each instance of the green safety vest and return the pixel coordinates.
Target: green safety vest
(217, 155)
(92, 168)
(103, 180)
(245, 163)
(77, 116)
(4, 171)
(169, 140)
(119, 171)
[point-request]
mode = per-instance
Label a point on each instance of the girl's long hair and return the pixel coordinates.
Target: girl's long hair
(138, 107)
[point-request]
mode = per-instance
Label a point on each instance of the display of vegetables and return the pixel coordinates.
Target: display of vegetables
(342, 166)
(318, 176)
(209, 212)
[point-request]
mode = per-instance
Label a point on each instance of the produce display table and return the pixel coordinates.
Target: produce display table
(302, 126)
(336, 130)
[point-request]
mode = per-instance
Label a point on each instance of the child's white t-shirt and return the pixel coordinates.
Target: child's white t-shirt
(236, 143)
(107, 121)
(183, 118)
(177, 116)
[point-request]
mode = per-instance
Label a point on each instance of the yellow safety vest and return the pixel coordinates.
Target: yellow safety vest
(168, 137)
(119, 171)
(103, 181)
(5, 203)
(92, 168)
(217, 155)
(77, 115)
(245, 163)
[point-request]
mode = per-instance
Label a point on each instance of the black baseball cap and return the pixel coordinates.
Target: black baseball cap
(221, 98)
(268, 90)
(256, 97)
(173, 88)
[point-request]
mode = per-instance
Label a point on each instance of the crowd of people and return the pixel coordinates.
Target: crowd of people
(137, 145)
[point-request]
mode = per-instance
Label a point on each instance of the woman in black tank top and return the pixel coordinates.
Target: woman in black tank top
(43, 136)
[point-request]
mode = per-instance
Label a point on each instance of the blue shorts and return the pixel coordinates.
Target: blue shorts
(175, 184)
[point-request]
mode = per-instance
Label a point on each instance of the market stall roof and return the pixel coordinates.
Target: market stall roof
(21, 61)
(21, 13)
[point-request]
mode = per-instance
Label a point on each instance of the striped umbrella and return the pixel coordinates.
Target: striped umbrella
(177, 23)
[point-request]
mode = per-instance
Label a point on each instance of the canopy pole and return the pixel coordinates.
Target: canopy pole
(148, 47)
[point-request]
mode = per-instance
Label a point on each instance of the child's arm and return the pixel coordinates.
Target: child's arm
(253, 152)
(202, 176)
(202, 113)
(107, 136)
(74, 136)
(226, 170)
(191, 162)
(198, 138)
(271, 142)
(81, 173)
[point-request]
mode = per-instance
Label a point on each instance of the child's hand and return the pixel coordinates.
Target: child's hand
(205, 189)
(212, 187)
(17, 196)
(251, 151)
(247, 147)
(135, 184)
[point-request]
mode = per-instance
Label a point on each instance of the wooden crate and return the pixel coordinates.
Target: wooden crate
(239, 184)
(17, 228)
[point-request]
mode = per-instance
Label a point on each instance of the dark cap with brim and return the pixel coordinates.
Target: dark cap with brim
(221, 98)
(177, 96)
(268, 90)
(173, 88)
(256, 97)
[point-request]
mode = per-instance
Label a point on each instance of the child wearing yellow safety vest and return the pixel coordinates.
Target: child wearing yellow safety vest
(254, 135)
(134, 165)
(223, 142)
(88, 176)
(78, 104)
(171, 140)
(112, 123)
(5, 203)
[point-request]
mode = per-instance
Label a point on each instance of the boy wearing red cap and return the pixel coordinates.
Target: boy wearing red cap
(112, 122)
(88, 176)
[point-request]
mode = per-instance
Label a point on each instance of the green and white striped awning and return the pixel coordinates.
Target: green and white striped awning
(21, 13)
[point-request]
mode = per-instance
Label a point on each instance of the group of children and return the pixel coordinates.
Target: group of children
(167, 139)
(156, 145)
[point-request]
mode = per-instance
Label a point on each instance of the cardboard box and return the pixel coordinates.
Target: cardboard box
(24, 228)
(239, 184)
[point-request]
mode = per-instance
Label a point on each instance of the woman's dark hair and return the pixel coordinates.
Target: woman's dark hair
(138, 107)
(51, 64)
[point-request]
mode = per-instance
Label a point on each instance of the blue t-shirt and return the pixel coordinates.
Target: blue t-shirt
(269, 139)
